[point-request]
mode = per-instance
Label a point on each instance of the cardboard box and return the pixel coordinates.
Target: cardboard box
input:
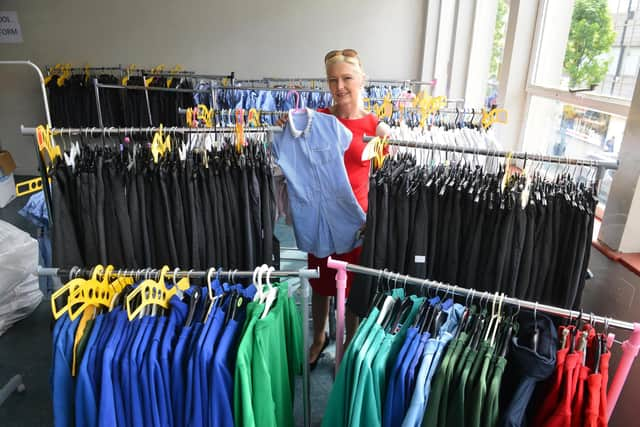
(7, 165)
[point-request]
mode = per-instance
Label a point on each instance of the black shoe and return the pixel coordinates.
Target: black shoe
(312, 365)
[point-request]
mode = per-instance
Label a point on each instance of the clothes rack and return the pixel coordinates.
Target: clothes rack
(601, 165)
(97, 86)
(108, 131)
(304, 275)
(630, 347)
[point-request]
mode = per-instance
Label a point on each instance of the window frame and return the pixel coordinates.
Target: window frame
(602, 103)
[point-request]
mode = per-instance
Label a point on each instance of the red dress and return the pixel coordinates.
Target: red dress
(358, 173)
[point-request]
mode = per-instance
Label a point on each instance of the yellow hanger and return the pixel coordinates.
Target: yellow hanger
(496, 115)
(387, 107)
(52, 72)
(157, 145)
(507, 165)
(253, 118)
(93, 293)
(151, 293)
(43, 136)
(174, 70)
(66, 73)
(155, 70)
(367, 104)
(203, 113)
(64, 290)
(240, 142)
(189, 117)
(125, 79)
(380, 155)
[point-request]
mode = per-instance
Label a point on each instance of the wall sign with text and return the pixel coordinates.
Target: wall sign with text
(10, 31)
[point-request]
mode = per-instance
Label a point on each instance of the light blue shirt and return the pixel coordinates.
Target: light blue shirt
(310, 152)
(431, 360)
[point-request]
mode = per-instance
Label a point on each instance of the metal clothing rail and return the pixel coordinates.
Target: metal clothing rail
(605, 164)
(369, 81)
(41, 166)
(271, 89)
(108, 131)
(304, 274)
(630, 347)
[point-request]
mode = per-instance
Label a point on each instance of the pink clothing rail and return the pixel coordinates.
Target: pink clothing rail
(341, 288)
(629, 353)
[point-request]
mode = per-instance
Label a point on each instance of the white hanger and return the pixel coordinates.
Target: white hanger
(263, 269)
(254, 280)
(272, 294)
(388, 305)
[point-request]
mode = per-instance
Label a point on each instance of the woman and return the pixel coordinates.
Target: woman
(346, 79)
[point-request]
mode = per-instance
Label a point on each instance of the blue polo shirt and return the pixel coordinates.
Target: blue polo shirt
(310, 152)
(62, 381)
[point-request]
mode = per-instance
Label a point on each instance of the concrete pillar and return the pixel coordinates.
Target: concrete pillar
(620, 228)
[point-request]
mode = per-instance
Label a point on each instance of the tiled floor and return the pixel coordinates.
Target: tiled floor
(25, 348)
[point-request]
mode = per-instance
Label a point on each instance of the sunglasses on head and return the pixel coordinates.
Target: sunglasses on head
(344, 52)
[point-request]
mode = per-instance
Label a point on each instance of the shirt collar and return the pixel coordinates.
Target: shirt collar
(297, 133)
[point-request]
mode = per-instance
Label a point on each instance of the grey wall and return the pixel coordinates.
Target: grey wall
(253, 38)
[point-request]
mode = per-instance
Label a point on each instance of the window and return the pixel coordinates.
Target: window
(562, 129)
(497, 52)
(589, 44)
(586, 62)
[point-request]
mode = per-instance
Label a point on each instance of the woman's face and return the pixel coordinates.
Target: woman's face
(345, 83)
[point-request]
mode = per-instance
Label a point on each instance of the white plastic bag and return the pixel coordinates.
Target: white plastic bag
(19, 290)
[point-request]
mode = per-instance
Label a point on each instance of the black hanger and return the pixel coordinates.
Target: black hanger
(405, 309)
(193, 303)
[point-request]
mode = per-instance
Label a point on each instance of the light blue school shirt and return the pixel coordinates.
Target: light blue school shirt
(310, 152)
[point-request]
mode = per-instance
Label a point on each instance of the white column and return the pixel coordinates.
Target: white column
(480, 54)
(512, 95)
(620, 228)
(459, 66)
(430, 40)
(443, 47)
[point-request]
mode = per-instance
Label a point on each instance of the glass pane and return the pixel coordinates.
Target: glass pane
(497, 52)
(591, 45)
(569, 130)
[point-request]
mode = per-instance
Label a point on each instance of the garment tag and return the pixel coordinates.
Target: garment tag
(420, 259)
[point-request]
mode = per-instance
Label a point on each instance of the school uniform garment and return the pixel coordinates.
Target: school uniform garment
(358, 174)
(157, 370)
(62, 384)
(114, 205)
(72, 102)
(527, 367)
(262, 376)
(454, 224)
(433, 352)
(326, 214)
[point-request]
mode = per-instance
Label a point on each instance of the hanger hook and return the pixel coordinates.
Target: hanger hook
(175, 273)
(209, 277)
